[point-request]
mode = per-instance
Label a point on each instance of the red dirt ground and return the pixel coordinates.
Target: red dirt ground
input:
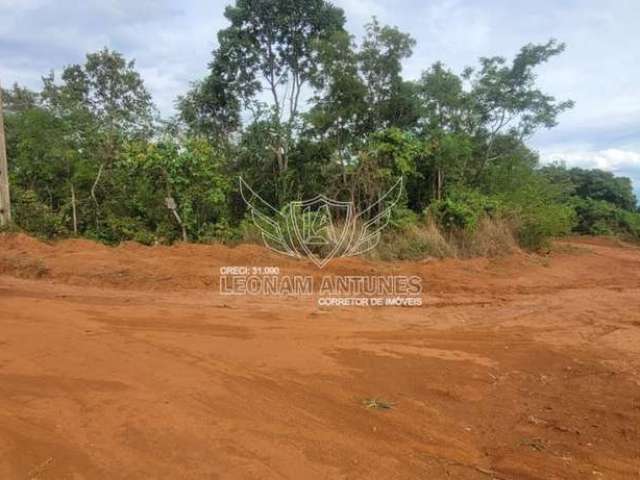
(125, 363)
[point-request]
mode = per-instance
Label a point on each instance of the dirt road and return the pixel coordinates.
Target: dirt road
(125, 363)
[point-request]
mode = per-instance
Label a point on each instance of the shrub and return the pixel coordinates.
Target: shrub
(247, 231)
(36, 217)
(595, 217)
(114, 230)
(599, 217)
(463, 210)
(414, 242)
(629, 222)
(403, 217)
(492, 237)
(215, 232)
(537, 223)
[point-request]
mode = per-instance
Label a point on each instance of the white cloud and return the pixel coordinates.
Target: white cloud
(611, 159)
(360, 12)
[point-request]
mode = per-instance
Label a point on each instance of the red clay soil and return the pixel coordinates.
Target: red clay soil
(126, 363)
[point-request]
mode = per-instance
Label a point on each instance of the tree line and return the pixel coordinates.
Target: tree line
(297, 106)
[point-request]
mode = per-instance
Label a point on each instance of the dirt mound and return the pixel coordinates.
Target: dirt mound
(19, 242)
(134, 266)
(80, 245)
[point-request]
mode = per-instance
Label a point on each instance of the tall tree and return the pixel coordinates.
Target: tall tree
(381, 54)
(339, 114)
(102, 103)
(506, 100)
(271, 47)
(443, 112)
(211, 108)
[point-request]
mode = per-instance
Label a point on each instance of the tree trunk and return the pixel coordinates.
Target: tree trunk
(280, 158)
(73, 209)
(5, 198)
(171, 205)
(93, 194)
(185, 239)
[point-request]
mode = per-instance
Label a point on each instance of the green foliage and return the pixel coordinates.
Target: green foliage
(505, 95)
(463, 209)
(403, 218)
(535, 214)
(599, 217)
(594, 184)
(629, 222)
(36, 217)
(380, 59)
(269, 46)
(396, 151)
(191, 174)
(541, 222)
(106, 91)
(604, 204)
(538, 210)
(88, 143)
(119, 228)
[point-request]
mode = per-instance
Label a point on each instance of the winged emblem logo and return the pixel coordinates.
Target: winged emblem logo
(320, 228)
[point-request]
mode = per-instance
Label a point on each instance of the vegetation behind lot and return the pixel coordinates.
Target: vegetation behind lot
(296, 106)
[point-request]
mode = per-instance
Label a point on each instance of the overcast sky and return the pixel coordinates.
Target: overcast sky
(172, 41)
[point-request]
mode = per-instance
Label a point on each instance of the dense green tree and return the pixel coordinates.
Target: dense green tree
(296, 106)
(338, 117)
(191, 175)
(271, 47)
(594, 184)
(381, 54)
(506, 100)
(210, 109)
(108, 89)
(444, 106)
(18, 99)
(101, 104)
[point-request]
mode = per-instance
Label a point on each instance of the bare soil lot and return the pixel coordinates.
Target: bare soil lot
(125, 363)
